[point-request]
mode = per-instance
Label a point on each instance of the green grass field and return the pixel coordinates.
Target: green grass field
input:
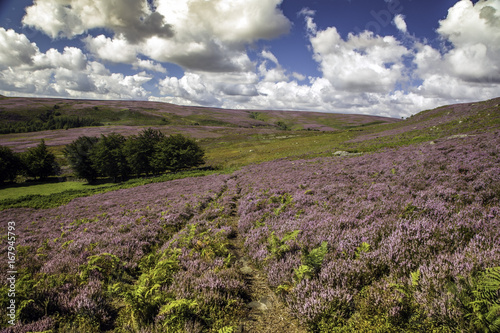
(25, 189)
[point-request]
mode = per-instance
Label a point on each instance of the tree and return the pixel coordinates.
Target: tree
(177, 152)
(38, 162)
(78, 155)
(10, 164)
(108, 158)
(139, 151)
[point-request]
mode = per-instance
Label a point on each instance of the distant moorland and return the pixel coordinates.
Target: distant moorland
(296, 222)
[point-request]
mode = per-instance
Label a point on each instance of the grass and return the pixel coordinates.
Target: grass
(25, 189)
(62, 193)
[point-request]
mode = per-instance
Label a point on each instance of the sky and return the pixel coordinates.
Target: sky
(380, 57)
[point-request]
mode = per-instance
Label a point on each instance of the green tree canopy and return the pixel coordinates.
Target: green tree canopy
(108, 158)
(177, 152)
(139, 151)
(38, 162)
(78, 156)
(10, 164)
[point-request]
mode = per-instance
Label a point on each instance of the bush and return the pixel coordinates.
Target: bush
(116, 157)
(139, 151)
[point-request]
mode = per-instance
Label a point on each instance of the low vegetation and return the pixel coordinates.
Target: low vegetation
(396, 232)
(49, 120)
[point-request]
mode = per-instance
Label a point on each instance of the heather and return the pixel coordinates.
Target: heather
(379, 228)
(388, 241)
(150, 257)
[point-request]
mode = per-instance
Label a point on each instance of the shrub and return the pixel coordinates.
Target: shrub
(139, 151)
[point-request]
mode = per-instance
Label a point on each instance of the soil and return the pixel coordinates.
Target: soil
(265, 312)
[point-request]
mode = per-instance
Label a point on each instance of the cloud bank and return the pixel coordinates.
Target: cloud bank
(216, 43)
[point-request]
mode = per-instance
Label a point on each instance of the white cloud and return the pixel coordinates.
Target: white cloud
(298, 76)
(15, 49)
(400, 23)
(72, 58)
(117, 50)
(149, 65)
(363, 62)
(66, 74)
(190, 87)
(194, 34)
(274, 74)
(361, 73)
(229, 21)
(211, 35)
(132, 19)
(470, 69)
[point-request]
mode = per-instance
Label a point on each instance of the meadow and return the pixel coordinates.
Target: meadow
(367, 227)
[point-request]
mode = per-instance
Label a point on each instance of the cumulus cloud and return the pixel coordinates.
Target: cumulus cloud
(64, 74)
(470, 68)
(212, 35)
(361, 73)
(474, 31)
(194, 34)
(116, 50)
(400, 23)
(15, 49)
(132, 19)
(149, 65)
(363, 62)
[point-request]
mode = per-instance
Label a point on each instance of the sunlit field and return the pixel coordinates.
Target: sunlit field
(366, 227)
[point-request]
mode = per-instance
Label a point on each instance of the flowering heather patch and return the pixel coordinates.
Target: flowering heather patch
(400, 226)
(150, 256)
(401, 240)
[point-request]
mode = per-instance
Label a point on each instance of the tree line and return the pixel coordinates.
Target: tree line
(113, 156)
(37, 162)
(50, 120)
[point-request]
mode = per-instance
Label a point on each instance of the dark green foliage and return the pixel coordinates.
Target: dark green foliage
(139, 151)
(278, 247)
(10, 164)
(282, 126)
(311, 262)
(116, 157)
(480, 300)
(108, 157)
(38, 162)
(177, 152)
(143, 299)
(50, 120)
(78, 155)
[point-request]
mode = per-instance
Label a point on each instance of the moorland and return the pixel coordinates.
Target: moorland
(297, 221)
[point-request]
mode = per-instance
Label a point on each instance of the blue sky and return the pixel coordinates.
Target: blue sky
(381, 57)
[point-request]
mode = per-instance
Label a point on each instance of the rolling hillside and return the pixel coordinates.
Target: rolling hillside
(380, 228)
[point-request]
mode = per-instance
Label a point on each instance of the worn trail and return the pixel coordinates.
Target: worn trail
(265, 312)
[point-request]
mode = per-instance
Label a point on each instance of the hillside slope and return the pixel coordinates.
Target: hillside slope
(394, 241)
(158, 113)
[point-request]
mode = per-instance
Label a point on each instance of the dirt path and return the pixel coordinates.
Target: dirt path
(266, 313)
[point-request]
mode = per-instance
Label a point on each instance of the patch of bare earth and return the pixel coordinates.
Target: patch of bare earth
(265, 312)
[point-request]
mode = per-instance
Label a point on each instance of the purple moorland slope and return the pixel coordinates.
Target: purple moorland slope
(368, 242)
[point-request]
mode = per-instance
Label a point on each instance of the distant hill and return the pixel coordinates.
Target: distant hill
(144, 113)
